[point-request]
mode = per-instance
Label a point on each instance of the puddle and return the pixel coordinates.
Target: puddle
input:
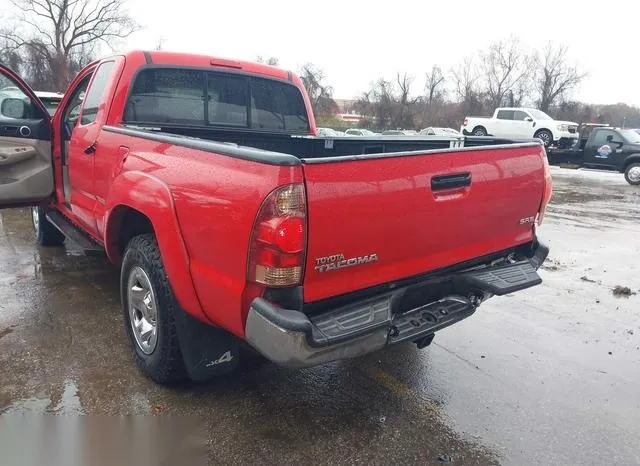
(66, 402)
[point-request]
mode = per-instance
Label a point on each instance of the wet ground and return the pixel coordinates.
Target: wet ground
(546, 376)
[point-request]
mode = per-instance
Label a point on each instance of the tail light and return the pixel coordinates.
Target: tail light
(548, 189)
(464, 123)
(279, 237)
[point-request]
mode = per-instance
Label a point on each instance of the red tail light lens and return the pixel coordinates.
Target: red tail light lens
(548, 189)
(278, 241)
(464, 123)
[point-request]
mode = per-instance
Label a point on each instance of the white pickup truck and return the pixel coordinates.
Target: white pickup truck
(524, 123)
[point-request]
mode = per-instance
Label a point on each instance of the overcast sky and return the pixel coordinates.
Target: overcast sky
(356, 42)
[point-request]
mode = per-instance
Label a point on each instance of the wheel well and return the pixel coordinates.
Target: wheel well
(543, 129)
(124, 224)
(629, 161)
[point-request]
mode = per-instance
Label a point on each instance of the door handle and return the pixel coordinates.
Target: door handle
(91, 149)
(457, 180)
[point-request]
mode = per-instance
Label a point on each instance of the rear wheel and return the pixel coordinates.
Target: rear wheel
(149, 307)
(479, 131)
(632, 174)
(46, 233)
(546, 137)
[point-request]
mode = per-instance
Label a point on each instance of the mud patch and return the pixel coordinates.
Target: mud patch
(552, 265)
(581, 196)
(584, 278)
(622, 292)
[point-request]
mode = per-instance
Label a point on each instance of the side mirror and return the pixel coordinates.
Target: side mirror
(610, 138)
(14, 108)
(529, 119)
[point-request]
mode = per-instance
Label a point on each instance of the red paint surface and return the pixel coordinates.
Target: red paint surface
(386, 207)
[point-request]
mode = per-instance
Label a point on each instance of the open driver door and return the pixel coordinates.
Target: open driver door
(26, 168)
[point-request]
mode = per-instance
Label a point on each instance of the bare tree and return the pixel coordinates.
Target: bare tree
(159, 43)
(405, 117)
(465, 82)
(434, 86)
(505, 72)
(59, 33)
(273, 61)
(389, 103)
(555, 77)
(320, 94)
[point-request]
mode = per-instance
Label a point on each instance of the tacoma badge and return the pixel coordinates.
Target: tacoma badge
(338, 261)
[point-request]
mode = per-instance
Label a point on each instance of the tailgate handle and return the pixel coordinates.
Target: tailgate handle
(457, 180)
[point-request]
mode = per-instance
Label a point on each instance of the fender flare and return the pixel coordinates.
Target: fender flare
(152, 197)
(543, 128)
(633, 158)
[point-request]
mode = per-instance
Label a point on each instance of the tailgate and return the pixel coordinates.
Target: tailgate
(376, 219)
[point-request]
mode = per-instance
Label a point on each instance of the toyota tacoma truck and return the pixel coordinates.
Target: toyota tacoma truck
(240, 233)
(523, 123)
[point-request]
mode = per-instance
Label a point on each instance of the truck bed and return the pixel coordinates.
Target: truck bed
(278, 148)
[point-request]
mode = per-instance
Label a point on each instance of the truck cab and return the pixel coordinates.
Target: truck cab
(614, 149)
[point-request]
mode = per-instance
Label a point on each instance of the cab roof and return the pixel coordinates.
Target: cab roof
(161, 57)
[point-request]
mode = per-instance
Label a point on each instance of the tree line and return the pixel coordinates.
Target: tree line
(49, 41)
(504, 74)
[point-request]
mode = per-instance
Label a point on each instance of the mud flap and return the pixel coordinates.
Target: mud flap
(207, 351)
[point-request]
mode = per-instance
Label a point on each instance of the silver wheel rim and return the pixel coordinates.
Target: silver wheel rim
(546, 139)
(143, 310)
(634, 174)
(478, 132)
(35, 218)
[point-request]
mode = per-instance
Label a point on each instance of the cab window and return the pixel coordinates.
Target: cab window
(600, 136)
(95, 95)
(212, 98)
(519, 115)
(505, 115)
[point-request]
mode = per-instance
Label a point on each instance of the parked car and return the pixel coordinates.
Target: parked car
(51, 100)
(359, 132)
(235, 234)
(327, 132)
(436, 131)
(522, 123)
(399, 132)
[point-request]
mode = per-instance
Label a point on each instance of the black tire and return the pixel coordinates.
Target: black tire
(630, 174)
(164, 365)
(479, 131)
(545, 135)
(46, 233)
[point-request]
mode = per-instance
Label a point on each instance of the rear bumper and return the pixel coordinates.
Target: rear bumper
(292, 339)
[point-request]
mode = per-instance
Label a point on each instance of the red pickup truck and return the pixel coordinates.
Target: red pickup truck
(240, 232)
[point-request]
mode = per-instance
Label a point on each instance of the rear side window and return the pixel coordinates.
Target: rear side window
(167, 96)
(207, 98)
(277, 106)
(505, 115)
(96, 93)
